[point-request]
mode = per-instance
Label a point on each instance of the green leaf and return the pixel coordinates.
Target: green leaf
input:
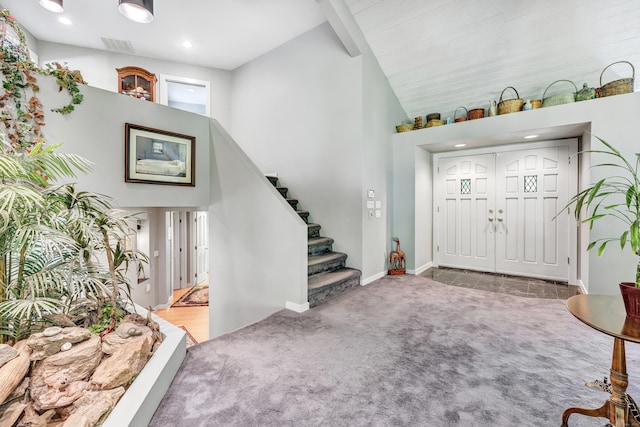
(623, 239)
(602, 247)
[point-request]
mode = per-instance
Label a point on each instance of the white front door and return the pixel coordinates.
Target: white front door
(202, 247)
(467, 199)
(496, 211)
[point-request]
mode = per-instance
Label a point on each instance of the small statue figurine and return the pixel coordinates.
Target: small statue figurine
(397, 262)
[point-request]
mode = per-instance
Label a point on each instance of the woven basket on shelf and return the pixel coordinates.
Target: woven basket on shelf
(536, 103)
(405, 127)
(434, 122)
(561, 98)
(460, 119)
(433, 116)
(475, 113)
(510, 105)
(620, 86)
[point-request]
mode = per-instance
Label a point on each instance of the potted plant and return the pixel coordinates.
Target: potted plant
(615, 196)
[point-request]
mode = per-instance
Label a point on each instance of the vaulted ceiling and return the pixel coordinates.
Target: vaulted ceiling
(437, 54)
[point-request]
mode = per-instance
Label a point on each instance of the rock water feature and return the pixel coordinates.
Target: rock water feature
(70, 376)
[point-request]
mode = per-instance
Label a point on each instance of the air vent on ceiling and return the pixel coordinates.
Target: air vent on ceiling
(118, 45)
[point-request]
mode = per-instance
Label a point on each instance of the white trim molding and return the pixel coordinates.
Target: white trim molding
(298, 308)
(373, 278)
(421, 269)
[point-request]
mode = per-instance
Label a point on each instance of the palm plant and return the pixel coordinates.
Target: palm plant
(614, 196)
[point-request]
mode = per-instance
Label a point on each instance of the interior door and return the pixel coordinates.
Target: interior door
(465, 212)
(202, 247)
(532, 238)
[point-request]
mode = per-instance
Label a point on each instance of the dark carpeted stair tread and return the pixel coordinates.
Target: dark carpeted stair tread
(317, 245)
(273, 180)
(325, 262)
(331, 277)
(313, 230)
(283, 191)
(304, 215)
(293, 202)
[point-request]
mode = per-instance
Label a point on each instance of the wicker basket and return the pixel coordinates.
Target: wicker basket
(620, 86)
(417, 123)
(476, 113)
(510, 105)
(536, 103)
(434, 122)
(460, 119)
(405, 127)
(433, 116)
(561, 98)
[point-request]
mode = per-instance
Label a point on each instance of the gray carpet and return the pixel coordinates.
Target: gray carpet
(402, 351)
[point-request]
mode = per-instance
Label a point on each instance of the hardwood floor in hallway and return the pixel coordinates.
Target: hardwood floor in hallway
(194, 319)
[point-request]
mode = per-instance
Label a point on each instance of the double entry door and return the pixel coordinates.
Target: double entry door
(501, 211)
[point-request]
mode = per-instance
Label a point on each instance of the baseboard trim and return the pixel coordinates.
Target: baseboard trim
(421, 269)
(373, 278)
(298, 308)
(583, 288)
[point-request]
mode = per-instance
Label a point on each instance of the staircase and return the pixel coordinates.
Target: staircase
(328, 275)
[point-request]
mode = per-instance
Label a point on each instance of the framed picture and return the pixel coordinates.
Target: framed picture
(153, 156)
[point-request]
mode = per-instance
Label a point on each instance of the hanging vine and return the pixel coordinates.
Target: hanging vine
(21, 111)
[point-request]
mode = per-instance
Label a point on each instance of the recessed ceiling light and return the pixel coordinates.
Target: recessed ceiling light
(531, 136)
(460, 145)
(64, 20)
(191, 90)
(187, 44)
(137, 10)
(52, 5)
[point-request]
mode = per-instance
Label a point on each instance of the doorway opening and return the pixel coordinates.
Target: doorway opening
(186, 94)
(500, 210)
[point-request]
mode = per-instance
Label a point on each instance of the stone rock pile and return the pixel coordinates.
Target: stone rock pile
(70, 376)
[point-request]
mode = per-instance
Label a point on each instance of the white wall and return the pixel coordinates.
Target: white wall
(258, 243)
(611, 118)
(255, 271)
(297, 111)
(99, 70)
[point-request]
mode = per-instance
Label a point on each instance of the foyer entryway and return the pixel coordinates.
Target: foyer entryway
(500, 211)
(328, 275)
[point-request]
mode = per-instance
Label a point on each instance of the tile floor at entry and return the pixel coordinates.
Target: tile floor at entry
(502, 283)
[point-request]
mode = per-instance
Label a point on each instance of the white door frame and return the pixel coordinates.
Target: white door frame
(572, 180)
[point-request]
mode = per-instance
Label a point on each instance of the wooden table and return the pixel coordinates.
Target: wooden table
(607, 315)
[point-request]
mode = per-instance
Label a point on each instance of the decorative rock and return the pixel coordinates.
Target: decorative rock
(66, 346)
(135, 318)
(52, 331)
(87, 410)
(123, 365)
(20, 391)
(77, 364)
(33, 419)
(126, 330)
(7, 353)
(61, 397)
(112, 342)
(12, 373)
(45, 346)
(10, 414)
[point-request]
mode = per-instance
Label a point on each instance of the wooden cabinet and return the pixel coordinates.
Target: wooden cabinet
(137, 82)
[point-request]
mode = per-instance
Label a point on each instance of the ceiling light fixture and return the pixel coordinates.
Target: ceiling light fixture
(531, 136)
(52, 5)
(64, 20)
(460, 145)
(137, 10)
(187, 44)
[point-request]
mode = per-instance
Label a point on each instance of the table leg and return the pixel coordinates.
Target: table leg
(615, 409)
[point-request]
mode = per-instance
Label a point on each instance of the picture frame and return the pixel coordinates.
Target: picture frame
(154, 156)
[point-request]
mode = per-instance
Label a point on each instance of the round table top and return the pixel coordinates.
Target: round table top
(605, 314)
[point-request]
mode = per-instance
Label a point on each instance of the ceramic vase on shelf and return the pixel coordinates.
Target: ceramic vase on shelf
(527, 105)
(493, 109)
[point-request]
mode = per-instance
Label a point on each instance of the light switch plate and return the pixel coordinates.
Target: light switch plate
(378, 213)
(370, 204)
(371, 194)
(378, 204)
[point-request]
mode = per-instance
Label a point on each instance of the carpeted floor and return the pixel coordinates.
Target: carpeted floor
(402, 351)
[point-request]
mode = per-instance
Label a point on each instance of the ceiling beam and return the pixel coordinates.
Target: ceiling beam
(343, 23)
